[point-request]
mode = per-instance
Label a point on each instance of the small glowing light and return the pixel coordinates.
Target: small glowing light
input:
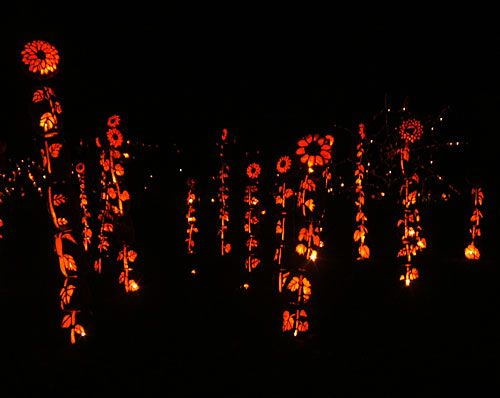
(342, 185)
(246, 286)
(126, 155)
(407, 282)
(212, 200)
(314, 255)
(263, 212)
(180, 170)
(193, 271)
(431, 162)
(310, 170)
(151, 175)
(440, 119)
(295, 333)
(382, 194)
(404, 108)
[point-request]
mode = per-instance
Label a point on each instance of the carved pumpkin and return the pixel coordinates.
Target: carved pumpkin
(411, 130)
(41, 59)
(314, 150)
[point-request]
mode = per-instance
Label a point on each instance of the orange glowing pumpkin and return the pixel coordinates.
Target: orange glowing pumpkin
(114, 121)
(115, 137)
(472, 252)
(314, 150)
(40, 58)
(284, 164)
(411, 130)
(253, 170)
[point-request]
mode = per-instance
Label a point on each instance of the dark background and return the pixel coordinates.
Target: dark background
(177, 76)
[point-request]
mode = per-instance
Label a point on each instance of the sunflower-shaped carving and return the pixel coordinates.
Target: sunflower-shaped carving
(411, 130)
(284, 164)
(114, 121)
(315, 150)
(115, 137)
(253, 170)
(41, 58)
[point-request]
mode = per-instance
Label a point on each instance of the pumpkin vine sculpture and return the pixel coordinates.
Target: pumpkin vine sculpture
(471, 251)
(42, 59)
(252, 216)
(116, 200)
(283, 202)
(412, 241)
(190, 216)
(87, 231)
(361, 230)
(223, 194)
(314, 153)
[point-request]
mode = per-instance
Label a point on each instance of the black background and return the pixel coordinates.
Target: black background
(177, 75)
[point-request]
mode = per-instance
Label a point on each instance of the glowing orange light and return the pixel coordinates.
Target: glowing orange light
(48, 121)
(115, 137)
(132, 285)
(411, 130)
(472, 252)
(314, 150)
(284, 164)
(253, 170)
(114, 121)
(41, 58)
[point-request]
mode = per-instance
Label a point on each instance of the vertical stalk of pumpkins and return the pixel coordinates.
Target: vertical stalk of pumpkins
(314, 153)
(283, 202)
(113, 216)
(192, 229)
(87, 232)
(412, 242)
(223, 194)
(252, 215)
(471, 251)
(41, 60)
(361, 230)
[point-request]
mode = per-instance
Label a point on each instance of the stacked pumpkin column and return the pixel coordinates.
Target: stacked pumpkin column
(252, 221)
(412, 241)
(116, 232)
(41, 61)
(304, 237)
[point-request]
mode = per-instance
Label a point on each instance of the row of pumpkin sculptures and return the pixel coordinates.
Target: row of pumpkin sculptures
(300, 202)
(68, 205)
(303, 202)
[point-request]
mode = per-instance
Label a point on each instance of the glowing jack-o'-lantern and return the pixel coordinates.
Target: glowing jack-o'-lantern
(41, 59)
(46, 112)
(314, 150)
(411, 130)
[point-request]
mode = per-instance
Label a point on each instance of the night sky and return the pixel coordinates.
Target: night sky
(178, 75)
